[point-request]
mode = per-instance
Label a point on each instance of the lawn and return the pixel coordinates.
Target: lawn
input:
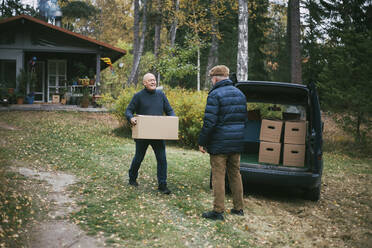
(95, 149)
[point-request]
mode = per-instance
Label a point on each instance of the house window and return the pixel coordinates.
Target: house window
(8, 73)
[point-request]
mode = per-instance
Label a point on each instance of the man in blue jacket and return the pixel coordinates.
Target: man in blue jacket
(222, 137)
(149, 101)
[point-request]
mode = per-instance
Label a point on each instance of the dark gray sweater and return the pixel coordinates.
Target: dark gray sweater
(147, 102)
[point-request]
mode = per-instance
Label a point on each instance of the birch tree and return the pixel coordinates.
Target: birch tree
(242, 57)
(197, 22)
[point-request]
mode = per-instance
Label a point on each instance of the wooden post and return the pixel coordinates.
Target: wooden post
(98, 73)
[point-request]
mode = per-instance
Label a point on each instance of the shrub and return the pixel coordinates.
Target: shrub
(188, 105)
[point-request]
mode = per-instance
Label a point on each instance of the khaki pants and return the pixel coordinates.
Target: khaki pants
(220, 163)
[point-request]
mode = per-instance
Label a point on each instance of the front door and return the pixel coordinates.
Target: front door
(56, 77)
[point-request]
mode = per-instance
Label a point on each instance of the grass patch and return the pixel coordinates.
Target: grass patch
(92, 147)
(20, 204)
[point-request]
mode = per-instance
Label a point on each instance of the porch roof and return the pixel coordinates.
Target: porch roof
(115, 52)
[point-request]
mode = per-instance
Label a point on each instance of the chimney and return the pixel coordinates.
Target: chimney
(58, 18)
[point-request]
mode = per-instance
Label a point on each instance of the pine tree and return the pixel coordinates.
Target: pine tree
(258, 26)
(314, 20)
(346, 82)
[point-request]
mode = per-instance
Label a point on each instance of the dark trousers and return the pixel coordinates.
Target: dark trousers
(159, 149)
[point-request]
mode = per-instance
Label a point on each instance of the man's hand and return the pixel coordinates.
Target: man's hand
(201, 148)
(133, 121)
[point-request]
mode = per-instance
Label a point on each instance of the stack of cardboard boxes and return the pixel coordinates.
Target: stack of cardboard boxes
(293, 142)
(270, 146)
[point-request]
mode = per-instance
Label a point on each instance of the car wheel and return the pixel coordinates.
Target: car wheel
(313, 194)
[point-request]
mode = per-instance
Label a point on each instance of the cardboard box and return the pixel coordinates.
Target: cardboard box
(271, 130)
(254, 115)
(269, 152)
(295, 132)
(291, 116)
(55, 98)
(294, 155)
(155, 127)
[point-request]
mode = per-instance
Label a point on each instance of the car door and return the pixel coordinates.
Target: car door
(316, 139)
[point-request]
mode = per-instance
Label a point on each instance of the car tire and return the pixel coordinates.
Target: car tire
(313, 194)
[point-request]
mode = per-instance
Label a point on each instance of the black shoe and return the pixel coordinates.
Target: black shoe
(164, 189)
(213, 215)
(133, 183)
(237, 212)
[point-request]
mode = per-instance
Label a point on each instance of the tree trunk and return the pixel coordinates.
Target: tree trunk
(157, 28)
(157, 40)
(173, 29)
(135, 40)
(138, 44)
(3, 8)
(242, 58)
(294, 12)
(198, 79)
(213, 54)
(359, 122)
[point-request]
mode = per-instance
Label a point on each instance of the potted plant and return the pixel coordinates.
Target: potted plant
(30, 97)
(22, 79)
(62, 93)
(92, 79)
(20, 97)
(85, 98)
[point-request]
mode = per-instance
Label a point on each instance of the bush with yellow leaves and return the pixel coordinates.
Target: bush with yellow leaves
(188, 105)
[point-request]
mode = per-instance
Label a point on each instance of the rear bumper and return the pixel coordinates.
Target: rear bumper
(279, 177)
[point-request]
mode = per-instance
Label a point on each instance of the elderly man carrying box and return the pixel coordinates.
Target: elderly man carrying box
(222, 137)
(149, 101)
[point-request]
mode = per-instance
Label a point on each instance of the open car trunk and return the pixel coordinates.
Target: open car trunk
(281, 102)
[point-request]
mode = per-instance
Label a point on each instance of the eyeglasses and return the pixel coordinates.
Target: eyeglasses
(151, 80)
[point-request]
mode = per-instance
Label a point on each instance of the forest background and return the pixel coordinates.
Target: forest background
(180, 40)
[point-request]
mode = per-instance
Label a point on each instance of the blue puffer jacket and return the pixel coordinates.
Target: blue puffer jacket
(224, 118)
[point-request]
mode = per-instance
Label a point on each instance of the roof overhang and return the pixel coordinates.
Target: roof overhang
(102, 48)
